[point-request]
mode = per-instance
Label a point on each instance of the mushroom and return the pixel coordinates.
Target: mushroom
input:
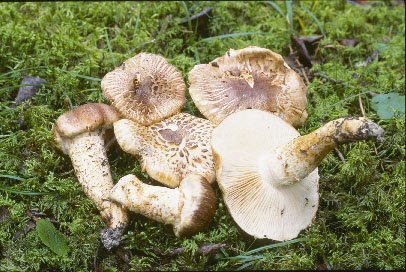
(145, 89)
(81, 133)
(268, 173)
(170, 149)
(249, 78)
(189, 208)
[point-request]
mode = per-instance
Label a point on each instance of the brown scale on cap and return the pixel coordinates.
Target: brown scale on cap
(145, 89)
(81, 133)
(170, 149)
(250, 78)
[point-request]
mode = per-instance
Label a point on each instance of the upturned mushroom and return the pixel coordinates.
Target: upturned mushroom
(249, 78)
(189, 208)
(81, 133)
(145, 89)
(170, 149)
(268, 173)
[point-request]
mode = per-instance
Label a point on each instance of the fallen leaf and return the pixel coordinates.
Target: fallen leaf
(51, 237)
(386, 104)
(26, 92)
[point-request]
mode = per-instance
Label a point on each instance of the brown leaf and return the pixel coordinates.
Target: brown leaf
(209, 249)
(304, 47)
(26, 92)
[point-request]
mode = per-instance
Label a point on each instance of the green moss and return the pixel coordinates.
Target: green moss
(360, 223)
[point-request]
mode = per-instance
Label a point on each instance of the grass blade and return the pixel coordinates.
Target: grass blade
(278, 245)
(12, 177)
(290, 15)
(136, 26)
(301, 23)
(233, 35)
(22, 192)
(245, 265)
(315, 19)
(314, 4)
(78, 75)
(188, 15)
(348, 98)
(276, 6)
(109, 46)
(25, 69)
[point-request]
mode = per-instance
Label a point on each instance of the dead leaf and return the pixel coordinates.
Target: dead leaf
(26, 92)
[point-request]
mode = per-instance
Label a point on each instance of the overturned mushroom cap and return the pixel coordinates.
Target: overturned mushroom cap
(145, 89)
(170, 149)
(189, 208)
(250, 78)
(268, 173)
(82, 134)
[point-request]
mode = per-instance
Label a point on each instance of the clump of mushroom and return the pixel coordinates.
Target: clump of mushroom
(250, 78)
(82, 133)
(268, 173)
(189, 208)
(145, 89)
(170, 149)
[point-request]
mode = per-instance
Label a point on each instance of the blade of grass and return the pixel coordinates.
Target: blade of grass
(109, 46)
(78, 75)
(301, 23)
(12, 177)
(347, 98)
(18, 86)
(21, 192)
(25, 69)
(136, 26)
(233, 35)
(276, 6)
(69, 101)
(188, 15)
(246, 265)
(278, 245)
(314, 4)
(315, 19)
(288, 4)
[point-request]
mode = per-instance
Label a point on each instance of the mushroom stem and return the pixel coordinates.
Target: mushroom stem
(189, 208)
(158, 203)
(298, 158)
(94, 176)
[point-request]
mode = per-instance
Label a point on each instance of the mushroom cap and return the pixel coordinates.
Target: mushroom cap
(243, 148)
(87, 117)
(145, 89)
(170, 149)
(249, 78)
(199, 205)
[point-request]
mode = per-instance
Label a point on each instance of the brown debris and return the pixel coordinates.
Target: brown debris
(349, 42)
(26, 92)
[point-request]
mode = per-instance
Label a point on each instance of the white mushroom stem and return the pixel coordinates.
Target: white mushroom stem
(189, 208)
(158, 203)
(298, 158)
(92, 169)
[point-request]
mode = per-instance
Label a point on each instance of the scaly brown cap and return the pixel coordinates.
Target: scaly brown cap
(145, 89)
(170, 149)
(249, 78)
(88, 117)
